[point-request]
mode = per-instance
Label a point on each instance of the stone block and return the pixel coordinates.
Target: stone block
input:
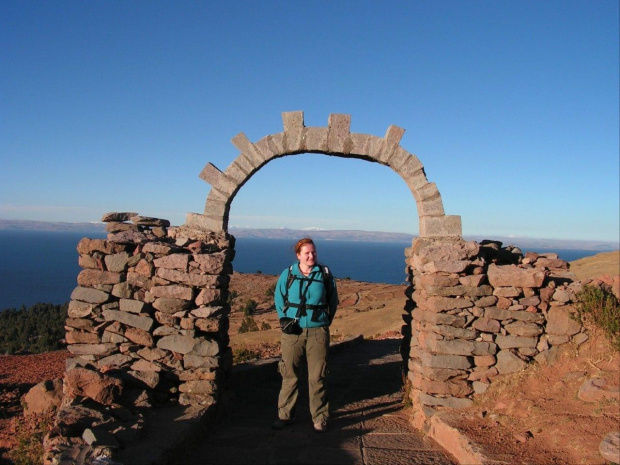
(136, 321)
(500, 314)
(339, 126)
(43, 397)
(173, 291)
(81, 337)
(507, 362)
(191, 279)
(441, 304)
(83, 382)
(484, 360)
(206, 312)
(445, 266)
(195, 361)
(79, 309)
(400, 158)
(205, 348)
(129, 238)
(117, 216)
(487, 325)
(507, 291)
(460, 347)
(211, 174)
(211, 263)
(487, 301)
(416, 181)
(208, 297)
(561, 321)
(151, 353)
(115, 360)
(205, 222)
(254, 157)
(294, 140)
(449, 402)
(597, 389)
(271, 146)
(177, 261)
(530, 301)
(515, 342)
(438, 374)
(117, 262)
(137, 280)
(139, 336)
(430, 280)
(88, 246)
(450, 331)
(122, 290)
(522, 328)
(391, 140)
(92, 349)
(456, 388)
(362, 144)
(514, 276)
(89, 295)
(170, 305)
(455, 362)
(177, 343)
(131, 306)
(609, 448)
(438, 318)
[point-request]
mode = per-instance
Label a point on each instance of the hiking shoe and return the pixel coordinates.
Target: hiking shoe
(280, 423)
(320, 426)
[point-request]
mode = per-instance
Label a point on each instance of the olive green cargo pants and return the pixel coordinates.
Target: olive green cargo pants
(314, 344)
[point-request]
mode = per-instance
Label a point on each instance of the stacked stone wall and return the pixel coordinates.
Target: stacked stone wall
(476, 311)
(147, 325)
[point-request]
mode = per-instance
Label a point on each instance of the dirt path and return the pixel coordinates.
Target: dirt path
(369, 425)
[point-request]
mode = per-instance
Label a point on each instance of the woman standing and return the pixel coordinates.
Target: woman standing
(306, 300)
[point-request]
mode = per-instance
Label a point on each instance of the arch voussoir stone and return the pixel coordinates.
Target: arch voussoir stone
(339, 134)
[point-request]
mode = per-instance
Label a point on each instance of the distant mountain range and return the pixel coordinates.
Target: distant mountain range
(26, 225)
(326, 234)
(379, 236)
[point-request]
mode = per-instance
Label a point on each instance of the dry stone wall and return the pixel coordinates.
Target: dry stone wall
(477, 310)
(147, 325)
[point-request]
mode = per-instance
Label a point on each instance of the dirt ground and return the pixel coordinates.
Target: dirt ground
(531, 417)
(535, 417)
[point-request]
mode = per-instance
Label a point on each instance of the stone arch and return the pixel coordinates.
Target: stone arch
(335, 139)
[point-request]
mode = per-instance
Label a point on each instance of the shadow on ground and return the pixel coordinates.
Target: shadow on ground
(369, 423)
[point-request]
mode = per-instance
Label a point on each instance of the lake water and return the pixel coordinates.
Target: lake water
(37, 266)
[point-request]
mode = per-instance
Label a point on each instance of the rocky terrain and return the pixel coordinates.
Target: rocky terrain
(536, 416)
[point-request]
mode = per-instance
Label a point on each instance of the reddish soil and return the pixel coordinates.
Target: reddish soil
(535, 417)
(18, 373)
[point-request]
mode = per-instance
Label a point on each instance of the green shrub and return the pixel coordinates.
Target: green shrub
(265, 326)
(243, 354)
(271, 290)
(250, 307)
(37, 329)
(231, 296)
(602, 308)
(248, 325)
(29, 449)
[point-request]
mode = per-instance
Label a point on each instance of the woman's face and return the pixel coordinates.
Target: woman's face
(307, 255)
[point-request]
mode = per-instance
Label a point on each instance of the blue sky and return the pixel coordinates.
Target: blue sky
(512, 107)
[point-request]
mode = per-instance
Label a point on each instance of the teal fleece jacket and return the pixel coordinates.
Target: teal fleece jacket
(317, 294)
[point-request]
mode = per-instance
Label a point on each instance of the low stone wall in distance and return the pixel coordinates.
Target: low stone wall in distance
(147, 325)
(477, 310)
